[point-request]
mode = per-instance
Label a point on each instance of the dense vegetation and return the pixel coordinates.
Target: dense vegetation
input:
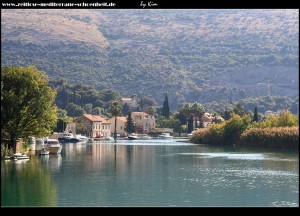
(27, 104)
(276, 131)
(192, 55)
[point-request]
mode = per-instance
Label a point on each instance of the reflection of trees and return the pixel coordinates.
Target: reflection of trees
(26, 184)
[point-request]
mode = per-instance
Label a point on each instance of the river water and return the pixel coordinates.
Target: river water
(153, 173)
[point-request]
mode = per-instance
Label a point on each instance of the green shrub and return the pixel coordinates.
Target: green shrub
(6, 151)
(279, 137)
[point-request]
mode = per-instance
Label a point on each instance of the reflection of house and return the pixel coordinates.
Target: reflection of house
(143, 121)
(97, 126)
(121, 124)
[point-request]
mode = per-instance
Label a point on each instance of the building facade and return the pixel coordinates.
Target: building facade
(97, 126)
(143, 121)
(121, 124)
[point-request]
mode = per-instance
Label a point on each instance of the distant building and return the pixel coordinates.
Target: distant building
(207, 119)
(98, 127)
(143, 121)
(130, 101)
(70, 128)
(121, 124)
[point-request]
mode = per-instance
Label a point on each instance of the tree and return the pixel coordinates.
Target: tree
(97, 111)
(88, 108)
(130, 127)
(115, 111)
(166, 109)
(27, 107)
(146, 102)
(125, 108)
(74, 110)
(239, 109)
(151, 110)
(186, 110)
(255, 117)
(63, 119)
(81, 128)
(198, 111)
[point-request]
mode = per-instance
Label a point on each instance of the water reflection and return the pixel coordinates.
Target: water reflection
(53, 161)
(153, 173)
(26, 184)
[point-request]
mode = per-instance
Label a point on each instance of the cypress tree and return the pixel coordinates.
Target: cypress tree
(255, 117)
(166, 108)
(129, 127)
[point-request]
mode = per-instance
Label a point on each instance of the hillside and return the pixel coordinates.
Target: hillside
(193, 55)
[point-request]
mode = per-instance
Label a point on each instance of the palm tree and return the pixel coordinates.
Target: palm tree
(115, 110)
(198, 111)
(186, 110)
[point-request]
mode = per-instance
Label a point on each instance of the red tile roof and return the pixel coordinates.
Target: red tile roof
(95, 118)
(139, 113)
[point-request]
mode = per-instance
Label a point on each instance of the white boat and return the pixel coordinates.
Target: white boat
(133, 136)
(109, 138)
(65, 137)
(145, 137)
(44, 152)
(165, 136)
(20, 156)
(53, 146)
(79, 138)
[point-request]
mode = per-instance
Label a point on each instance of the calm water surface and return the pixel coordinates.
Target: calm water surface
(152, 173)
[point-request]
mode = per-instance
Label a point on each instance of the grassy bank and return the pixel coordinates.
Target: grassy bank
(280, 137)
(274, 132)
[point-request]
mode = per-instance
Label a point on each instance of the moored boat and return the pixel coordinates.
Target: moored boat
(133, 137)
(165, 136)
(53, 146)
(145, 137)
(44, 152)
(109, 138)
(20, 156)
(79, 138)
(65, 137)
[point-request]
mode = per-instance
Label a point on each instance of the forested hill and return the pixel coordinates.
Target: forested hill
(193, 55)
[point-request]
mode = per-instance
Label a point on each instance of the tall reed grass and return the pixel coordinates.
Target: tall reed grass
(276, 137)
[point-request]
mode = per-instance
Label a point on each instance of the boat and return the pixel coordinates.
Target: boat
(79, 138)
(145, 137)
(165, 136)
(53, 146)
(109, 138)
(20, 156)
(44, 152)
(133, 137)
(65, 137)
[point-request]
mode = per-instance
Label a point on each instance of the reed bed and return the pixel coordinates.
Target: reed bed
(276, 137)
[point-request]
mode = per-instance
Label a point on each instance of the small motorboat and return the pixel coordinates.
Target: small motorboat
(109, 138)
(79, 138)
(145, 137)
(54, 146)
(133, 137)
(165, 136)
(20, 156)
(44, 152)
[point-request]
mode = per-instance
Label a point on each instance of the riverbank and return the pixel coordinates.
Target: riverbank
(277, 137)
